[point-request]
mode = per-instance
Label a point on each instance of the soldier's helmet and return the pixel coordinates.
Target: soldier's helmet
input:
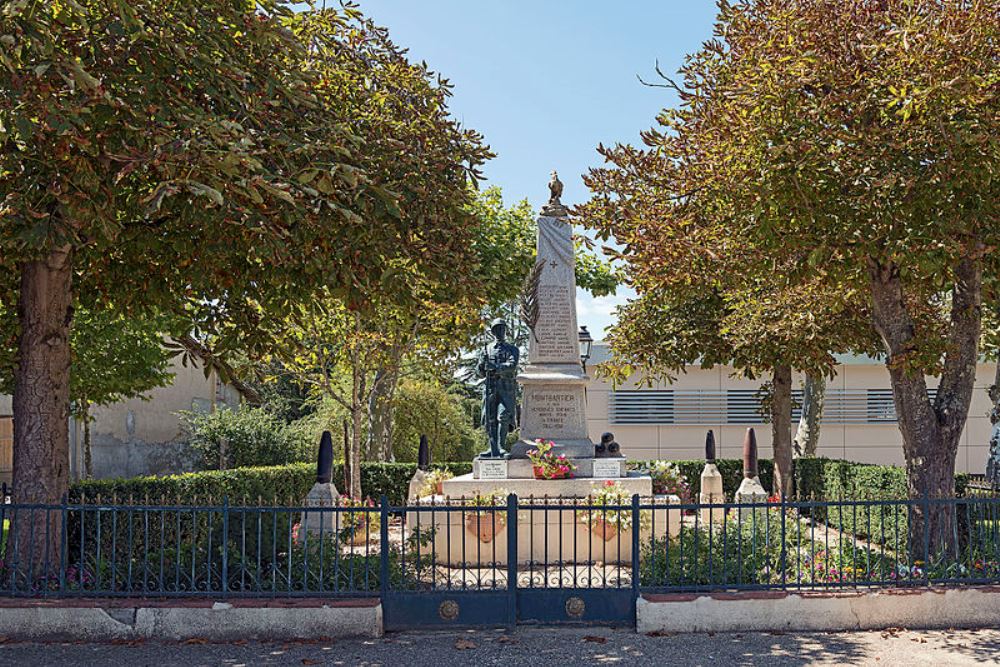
(498, 323)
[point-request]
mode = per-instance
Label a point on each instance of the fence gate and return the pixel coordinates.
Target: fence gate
(555, 562)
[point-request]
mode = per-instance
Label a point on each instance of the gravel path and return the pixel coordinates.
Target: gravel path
(537, 646)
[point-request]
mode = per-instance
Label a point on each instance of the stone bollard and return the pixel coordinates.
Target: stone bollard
(711, 485)
(323, 493)
(751, 490)
(419, 478)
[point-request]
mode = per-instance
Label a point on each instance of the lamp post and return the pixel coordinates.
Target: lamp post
(586, 342)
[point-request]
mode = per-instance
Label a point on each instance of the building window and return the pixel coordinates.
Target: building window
(642, 407)
(743, 407)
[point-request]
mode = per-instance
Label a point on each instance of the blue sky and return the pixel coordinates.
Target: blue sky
(547, 81)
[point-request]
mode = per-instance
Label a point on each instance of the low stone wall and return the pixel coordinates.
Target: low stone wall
(130, 620)
(808, 611)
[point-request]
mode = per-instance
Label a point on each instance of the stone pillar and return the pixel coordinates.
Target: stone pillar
(420, 476)
(554, 400)
(751, 490)
(711, 485)
(323, 493)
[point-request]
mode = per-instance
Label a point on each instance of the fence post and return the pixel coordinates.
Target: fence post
(512, 559)
(635, 546)
(927, 536)
(63, 544)
(225, 545)
(384, 543)
(784, 551)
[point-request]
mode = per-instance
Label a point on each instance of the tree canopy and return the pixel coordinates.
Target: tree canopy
(219, 164)
(847, 150)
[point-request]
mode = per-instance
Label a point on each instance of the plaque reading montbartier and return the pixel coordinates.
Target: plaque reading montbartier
(492, 469)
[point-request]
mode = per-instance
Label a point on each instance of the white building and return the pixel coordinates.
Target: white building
(668, 421)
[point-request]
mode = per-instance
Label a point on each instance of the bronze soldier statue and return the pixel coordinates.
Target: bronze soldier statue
(498, 364)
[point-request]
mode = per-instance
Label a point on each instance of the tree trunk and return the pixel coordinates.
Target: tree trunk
(813, 396)
(781, 430)
(357, 418)
(41, 404)
(379, 441)
(930, 432)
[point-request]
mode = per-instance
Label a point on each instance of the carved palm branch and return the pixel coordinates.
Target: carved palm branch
(529, 297)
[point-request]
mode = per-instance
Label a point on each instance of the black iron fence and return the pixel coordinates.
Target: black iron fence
(228, 550)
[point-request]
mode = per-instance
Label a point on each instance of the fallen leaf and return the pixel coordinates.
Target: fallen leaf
(464, 644)
(595, 639)
(505, 639)
(307, 661)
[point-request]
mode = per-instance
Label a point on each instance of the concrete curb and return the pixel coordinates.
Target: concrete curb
(780, 611)
(130, 620)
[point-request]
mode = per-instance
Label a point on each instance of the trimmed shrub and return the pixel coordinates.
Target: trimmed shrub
(282, 485)
(251, 437)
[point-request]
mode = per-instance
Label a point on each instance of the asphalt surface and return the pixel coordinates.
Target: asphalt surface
(537, 646)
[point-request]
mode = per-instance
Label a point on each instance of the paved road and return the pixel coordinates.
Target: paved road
(544, 647)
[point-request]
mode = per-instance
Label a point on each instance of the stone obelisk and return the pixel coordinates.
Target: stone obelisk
(553, 382)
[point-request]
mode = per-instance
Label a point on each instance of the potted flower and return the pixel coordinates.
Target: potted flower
(609, 511)
(668, 480)
(433, 481)
(357, 526)
(547, 465)
(483, 520)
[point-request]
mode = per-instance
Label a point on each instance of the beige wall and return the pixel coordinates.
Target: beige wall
(138, 436)
(144, 435)
(873, 443)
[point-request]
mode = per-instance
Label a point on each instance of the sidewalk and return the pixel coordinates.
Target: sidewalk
(543, 646)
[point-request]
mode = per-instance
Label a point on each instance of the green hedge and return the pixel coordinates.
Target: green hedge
(287, 484)
(887, 525)
(833, 479)
(821, 479)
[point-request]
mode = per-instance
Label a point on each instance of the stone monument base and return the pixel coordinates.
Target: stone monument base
(467, 486)
(612, 467)
(549, 529)
(321, 496)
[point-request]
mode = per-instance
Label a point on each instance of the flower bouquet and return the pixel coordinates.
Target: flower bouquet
(609, 511)
(357, 526)
(432, 483)
(547, 465)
